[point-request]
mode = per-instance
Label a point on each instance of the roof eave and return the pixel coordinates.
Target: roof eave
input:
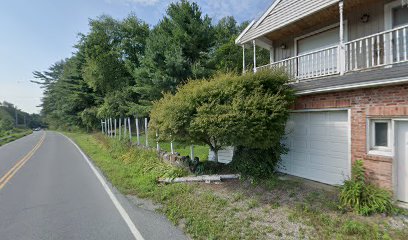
(237, 41)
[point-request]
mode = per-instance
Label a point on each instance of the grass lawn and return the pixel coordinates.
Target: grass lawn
(9, 136)
(270, 209)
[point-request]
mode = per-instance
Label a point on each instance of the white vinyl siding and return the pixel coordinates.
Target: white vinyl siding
(286, 12)
(319, 146)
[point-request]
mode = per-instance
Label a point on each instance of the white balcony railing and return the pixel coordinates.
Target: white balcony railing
(318, 63)
(385, 48)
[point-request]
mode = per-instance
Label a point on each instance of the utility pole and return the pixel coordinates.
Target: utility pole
(15, 112)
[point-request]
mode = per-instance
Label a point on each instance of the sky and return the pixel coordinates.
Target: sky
(34, 34)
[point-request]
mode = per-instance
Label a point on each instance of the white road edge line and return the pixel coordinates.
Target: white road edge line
(115, 201)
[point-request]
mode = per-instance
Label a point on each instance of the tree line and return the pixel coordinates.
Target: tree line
(11, 117)
(120, 67)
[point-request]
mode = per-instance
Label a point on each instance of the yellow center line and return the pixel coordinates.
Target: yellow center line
(4, 180)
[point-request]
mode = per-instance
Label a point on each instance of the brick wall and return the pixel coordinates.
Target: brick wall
(380, 102)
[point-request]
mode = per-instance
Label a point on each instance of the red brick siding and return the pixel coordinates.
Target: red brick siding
(380, 102)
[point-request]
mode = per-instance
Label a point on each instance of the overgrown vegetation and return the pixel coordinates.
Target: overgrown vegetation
(266, 209)
(11, 130)
(9, 114)
(135, 171)
(363, 197)
(227, 110)
(121, 66)
(14, 134)
(257, 163)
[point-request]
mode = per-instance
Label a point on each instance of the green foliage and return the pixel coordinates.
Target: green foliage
(227, 57)
(134, 171)
(177, 49)
(121, 66)
(8, 114)
(362, 197)
(257, 163)
(227, 110)
(14, 134)
(6, 124)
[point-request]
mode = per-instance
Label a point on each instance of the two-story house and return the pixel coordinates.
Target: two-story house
(349, 63)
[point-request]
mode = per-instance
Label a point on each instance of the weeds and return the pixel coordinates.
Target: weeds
(362, 197)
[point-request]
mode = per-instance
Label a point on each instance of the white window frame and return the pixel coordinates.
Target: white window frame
(388, 10)
(379, 150)
(388, 18)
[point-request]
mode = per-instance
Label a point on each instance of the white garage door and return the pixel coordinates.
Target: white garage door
(319, 146)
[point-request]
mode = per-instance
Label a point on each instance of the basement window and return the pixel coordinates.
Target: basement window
(380, 137)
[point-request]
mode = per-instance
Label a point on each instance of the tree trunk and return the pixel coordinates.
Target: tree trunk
(215, 155)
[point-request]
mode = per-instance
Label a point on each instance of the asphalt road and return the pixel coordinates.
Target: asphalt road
(49, 190)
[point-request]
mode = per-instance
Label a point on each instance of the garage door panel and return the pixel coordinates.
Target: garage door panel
(330, 156)
(299, 118)
(334, 163)
(319, 162)
(299, 157)
(318, 131)
(301, 144)
(338, 117)
(327, 146)
(320, 175)
(338, 131)
(319, 146)
(298, 131)
(318, 117)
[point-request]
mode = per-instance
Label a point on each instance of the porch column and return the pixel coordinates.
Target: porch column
(342, 49)
(271, 54)
(254, 43)
(243, 59)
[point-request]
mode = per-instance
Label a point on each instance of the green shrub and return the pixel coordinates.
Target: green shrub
(257, 163)
(228, 110)
(362, 197)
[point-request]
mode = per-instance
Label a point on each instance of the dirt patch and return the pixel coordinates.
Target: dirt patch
(272, 208)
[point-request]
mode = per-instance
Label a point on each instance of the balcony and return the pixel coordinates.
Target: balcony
(383, 49)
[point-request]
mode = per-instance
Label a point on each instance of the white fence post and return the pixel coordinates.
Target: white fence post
(157, 142)
(171, 145)
(106, 127)
(147, 142)
(192, 152)
(115, 127)
(130, 130)
(111, 126)
(137, 131)
(120, 128)
(124, 128)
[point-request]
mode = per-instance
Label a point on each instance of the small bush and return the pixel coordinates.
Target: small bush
(250, 110)
(257, 163)
(362, 197)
